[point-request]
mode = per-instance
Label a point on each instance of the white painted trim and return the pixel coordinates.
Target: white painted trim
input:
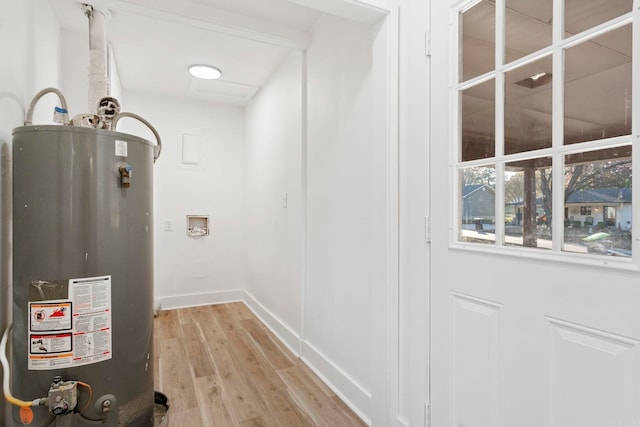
(427, 164)
(400, 422)
(342, 384)
(289, 337)
(226, 22)
(591, 260)
(303, 197)
(171, 302)
(362, 11)
(359, 399)
(635, 124)
(392, 359)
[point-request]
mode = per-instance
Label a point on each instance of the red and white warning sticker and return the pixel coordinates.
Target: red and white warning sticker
(50, 316)
(50, 343)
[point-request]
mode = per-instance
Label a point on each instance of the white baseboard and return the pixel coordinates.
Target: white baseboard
(289, 337)
(205, 298)
(353, 394)
(401, 422)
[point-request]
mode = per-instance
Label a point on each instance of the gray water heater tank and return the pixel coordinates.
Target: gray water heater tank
(83, 275)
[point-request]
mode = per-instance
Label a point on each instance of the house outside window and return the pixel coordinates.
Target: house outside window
(544, 125)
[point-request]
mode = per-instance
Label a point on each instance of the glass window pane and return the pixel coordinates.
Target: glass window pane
(597, 87)
(478, 204)
(478, 121)
(527, 110)
(598, 204)
(581, 15)
(478, 39)
(528, 27)
(527, 207)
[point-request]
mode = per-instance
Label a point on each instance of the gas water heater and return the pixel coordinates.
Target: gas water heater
(82, 332)
(82, 276)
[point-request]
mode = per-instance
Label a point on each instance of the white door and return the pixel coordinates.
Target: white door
(535, 318)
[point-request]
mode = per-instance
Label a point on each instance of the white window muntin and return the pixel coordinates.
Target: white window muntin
(558, 151)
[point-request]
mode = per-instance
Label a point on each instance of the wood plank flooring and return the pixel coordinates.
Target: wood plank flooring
(220, 366)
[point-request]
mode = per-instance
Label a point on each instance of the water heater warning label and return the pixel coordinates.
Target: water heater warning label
(50, 344)
(73, 332)
(50, 316)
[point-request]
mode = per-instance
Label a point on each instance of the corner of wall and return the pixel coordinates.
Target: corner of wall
(359, 399)
(342, 384)
(199, 299)
(289, 337)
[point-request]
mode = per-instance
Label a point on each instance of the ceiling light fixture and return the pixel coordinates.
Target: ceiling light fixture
(537, 80)
(206, 72)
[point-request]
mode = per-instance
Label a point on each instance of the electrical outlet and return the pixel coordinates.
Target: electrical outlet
(168, 225)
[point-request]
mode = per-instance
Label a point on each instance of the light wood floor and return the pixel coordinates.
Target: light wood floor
(219, 366)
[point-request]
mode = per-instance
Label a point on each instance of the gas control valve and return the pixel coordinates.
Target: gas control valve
(63, 396)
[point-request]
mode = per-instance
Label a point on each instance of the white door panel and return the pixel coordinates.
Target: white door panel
(592, 376)
(476, 326)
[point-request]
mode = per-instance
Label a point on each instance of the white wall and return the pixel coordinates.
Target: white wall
(274, 227)
(30, 49)
(317, 271)
(346, 211)
(195, 270)
(75, 77)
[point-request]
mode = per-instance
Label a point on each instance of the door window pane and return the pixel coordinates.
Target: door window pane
(527, 110)
(527, 209)
(478, 121)
(478, 39)
(528, 27)
(581, 15)
(597, 87)
(598, 205)
(478, 204)
(592, 103)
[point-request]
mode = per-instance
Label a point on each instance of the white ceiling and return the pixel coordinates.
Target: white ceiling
(154, 41)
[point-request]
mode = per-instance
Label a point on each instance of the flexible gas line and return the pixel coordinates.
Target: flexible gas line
(6, 372)
(88, 386)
